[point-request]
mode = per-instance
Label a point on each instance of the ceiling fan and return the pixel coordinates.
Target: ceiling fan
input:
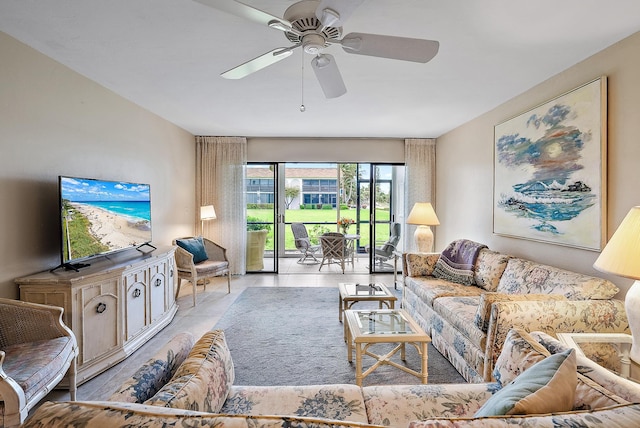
(315, 25)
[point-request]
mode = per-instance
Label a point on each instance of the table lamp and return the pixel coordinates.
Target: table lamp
(207, 212)
(621, 256)
(424, 216)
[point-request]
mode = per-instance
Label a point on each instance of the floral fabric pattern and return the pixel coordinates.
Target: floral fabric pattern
(203, 380)
(489, 268)
(339, 402)
(156, 372)
(524, 276)
(397, 405)
(625, 416)
(551, 316)
(420, 264)
(112, 414)
(460, 312)
(483, 312)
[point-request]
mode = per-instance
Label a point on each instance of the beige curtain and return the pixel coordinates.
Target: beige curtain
(220, 165)
(420, 170)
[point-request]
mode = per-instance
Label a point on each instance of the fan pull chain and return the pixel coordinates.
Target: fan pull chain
(302, 107)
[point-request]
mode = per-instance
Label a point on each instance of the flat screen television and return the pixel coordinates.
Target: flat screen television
(98, 217)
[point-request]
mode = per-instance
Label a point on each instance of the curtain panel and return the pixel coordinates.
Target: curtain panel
(220, 173)
(420, 176)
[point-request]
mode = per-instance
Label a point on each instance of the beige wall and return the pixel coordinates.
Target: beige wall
(55, 122)
(465, 160)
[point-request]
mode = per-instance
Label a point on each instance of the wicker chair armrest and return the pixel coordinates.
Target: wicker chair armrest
(23, 322)
(184, 259)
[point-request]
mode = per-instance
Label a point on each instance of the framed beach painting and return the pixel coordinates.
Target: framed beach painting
(550, 171)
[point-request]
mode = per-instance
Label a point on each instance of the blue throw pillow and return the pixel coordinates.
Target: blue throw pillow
(195, 246)
(546, 387)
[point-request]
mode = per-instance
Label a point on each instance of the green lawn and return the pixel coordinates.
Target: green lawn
(319, 221)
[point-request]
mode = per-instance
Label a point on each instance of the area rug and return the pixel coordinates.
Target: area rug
(292, 336)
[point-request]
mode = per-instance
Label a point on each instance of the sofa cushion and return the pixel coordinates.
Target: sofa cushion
(202, 381)
(398, 405)
(156, 372)
(547, 386)
(489, 268)
(622, 416)
(524, 276)
(429, 288)
(195, 246)
(340, 402)
(112, 414)
(457, 261)
(46, 358)
(460, 311)
(483, 312)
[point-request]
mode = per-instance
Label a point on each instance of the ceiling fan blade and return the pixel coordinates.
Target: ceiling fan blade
(328, 76)
(248, 12)
(402, 48)
(258, 63)
(333, 13)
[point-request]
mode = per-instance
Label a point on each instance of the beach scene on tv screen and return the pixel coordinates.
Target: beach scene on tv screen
(103, 216)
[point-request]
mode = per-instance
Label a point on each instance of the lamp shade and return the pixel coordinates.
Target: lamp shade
(423, 213)
(621, 255)
(207, 213)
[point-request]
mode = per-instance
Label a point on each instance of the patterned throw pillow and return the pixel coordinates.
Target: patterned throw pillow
(546, 387)
(203, 380)
(519, 352)
(489, 268)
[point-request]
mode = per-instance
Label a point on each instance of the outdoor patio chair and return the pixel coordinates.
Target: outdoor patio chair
(335, 249)
(384, 253)
(304, 245)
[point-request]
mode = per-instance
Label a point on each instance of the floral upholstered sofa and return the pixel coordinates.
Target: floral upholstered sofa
(187, 385)
(468, 297)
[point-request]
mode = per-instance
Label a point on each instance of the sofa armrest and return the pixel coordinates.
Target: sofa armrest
(549, 316)
(419, 264)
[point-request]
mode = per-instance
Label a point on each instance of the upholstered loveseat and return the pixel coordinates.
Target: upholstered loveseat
(469, 305)
(193, 386)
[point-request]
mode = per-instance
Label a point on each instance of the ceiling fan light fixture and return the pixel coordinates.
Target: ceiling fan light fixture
(329, 17)
(313, 43)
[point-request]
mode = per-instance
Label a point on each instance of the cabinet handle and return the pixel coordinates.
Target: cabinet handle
(136, 292)
(171, 273)
(101, 307)
(158, 282)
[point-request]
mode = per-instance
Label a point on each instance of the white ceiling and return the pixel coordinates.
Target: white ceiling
(166, 56)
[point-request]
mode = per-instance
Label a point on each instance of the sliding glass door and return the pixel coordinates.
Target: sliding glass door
(318, 195)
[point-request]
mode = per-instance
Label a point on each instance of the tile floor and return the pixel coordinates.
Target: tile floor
(212, 303)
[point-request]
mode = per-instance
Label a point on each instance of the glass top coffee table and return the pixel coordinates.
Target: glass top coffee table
(365, 328)
(351, 293)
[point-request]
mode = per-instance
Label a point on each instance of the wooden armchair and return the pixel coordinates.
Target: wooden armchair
(36, 351)
(215, 263)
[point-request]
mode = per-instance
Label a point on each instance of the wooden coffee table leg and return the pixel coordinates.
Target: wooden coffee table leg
(359, 363)
(425, 360)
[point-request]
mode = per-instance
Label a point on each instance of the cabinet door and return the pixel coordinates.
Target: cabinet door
(157, 289)
(100, 320)
(136, 285)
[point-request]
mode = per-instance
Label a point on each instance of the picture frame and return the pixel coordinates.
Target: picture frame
(550, 170)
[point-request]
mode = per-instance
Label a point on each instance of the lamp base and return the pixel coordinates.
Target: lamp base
(632, 307)
(424, 239)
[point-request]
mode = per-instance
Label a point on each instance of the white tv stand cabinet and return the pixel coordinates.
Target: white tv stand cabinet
(113, 306)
